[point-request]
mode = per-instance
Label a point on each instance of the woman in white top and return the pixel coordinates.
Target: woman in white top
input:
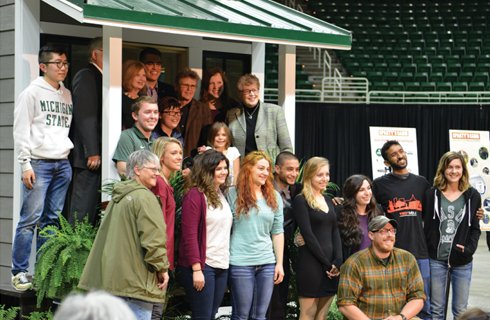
(219, 139)
(206, 221)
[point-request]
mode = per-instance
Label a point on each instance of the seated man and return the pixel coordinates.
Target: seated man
(381, 282)
(129, 255)
(138, 137)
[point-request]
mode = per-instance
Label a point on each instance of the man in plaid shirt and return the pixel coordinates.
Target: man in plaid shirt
(381, 282)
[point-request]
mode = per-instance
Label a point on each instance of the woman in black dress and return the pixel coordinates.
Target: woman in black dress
(134, 81)
(319, 260)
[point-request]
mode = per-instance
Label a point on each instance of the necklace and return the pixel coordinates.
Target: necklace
(251, 114)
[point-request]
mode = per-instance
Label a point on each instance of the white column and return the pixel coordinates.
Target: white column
(111, 100)
(27, 28)
(287, 86)
(195, 63)
(258, 64)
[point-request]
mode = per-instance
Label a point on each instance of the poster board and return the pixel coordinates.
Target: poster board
(407, 137)
(474, 146)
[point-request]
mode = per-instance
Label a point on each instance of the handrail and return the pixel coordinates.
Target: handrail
(327, 63)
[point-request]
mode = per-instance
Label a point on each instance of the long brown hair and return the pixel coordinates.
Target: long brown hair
(204, 94)
(246, 198)
(349, 221)
(202, 176)
(440, 180)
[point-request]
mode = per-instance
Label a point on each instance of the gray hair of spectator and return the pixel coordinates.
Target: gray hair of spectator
(139, 159)
(283, 157)
(136, 106)
(96, 305)
(475, 314)
(186, 73)
(247, 80)
(149, 50)
(95, 44)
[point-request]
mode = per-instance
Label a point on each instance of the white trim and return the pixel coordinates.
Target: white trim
(67, 8)
(286, 87)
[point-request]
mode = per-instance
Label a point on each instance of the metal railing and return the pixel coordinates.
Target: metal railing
(306, 95)
(428, 97)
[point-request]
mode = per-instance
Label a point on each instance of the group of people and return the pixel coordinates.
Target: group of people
(236, 215)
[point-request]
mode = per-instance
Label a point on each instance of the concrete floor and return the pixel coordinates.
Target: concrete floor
(480, 279)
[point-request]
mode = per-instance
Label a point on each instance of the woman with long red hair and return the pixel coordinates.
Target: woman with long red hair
(257, 239)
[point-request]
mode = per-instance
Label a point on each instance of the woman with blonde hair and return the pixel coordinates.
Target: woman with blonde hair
(204, 246)
(133, 83)
(452, 230)
(257, 240)
(319, 261)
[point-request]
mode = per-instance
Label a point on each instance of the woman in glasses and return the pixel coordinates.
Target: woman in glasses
(170, 115)
(452, 230)
(319, 260)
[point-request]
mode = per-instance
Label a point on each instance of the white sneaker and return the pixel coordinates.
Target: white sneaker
(20, 282)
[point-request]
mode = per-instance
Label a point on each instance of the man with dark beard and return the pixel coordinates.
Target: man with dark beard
(401, 194)
(287, 171)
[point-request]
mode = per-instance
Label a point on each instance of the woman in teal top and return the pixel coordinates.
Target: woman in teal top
(257, 238)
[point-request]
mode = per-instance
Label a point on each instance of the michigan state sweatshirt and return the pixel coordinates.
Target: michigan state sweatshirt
(42, 118)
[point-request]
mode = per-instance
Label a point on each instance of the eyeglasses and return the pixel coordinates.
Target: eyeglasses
(150, 63)
(248, 92)
(174, 113)
(154, 170)
(59, 64)
(385, 231)
(188, 86)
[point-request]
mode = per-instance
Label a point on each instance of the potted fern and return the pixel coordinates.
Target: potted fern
(62, 258)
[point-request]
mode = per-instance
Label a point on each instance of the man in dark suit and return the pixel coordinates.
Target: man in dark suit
(152, 58)
(287, 171)
(86, 134)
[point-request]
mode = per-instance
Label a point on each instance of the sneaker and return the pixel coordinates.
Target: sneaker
(20, 282)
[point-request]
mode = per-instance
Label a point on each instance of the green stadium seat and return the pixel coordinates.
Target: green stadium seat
(304, 85)
(481, 77)
(436, 58)
(367, 66)
(396, 86)
(460, 86)
(444, 86)
(386, 51)
(406, 58)
(352, 66)
(400, 34)
(469, 67)
(375, 76)
(431, 35)
(439, 27)
(272, 84)
(424, 67)
(372, 50)
(483, 67)
(412, 86)
(439, 67)
(460, 35)
(415, 51)
(430, 50)
(428, 86)
(363, 58)
(381, 66)
(468, 58)
(451, 77)
(454, 58)
(476, 86)
(466, 77)
(454, 67)
(301, 75)
(485, 50)
(272, 74)
(433, 43)
(461, 51)
(390, 76)
(417, 35)
(405, 43)
(380, 86)
(392, 58)
(421, 59)
(475, 42)
(421, 77)
(377, 58)
(436, 77)
(395, 67)
(444, 51)
(410, 67)
(405, 76)
(484, 58)
(359, 74)
(390, 43)
(400, 51)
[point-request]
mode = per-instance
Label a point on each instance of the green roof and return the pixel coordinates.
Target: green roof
(248, 20)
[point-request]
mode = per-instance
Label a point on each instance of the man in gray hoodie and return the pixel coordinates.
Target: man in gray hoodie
(42, 118)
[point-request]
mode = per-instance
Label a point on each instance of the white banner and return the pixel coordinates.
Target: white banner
(473, 145)
(407, 137)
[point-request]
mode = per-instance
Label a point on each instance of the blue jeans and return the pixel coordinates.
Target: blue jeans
(424, 267)
(142, 309)
(204, 303)
(43, 203)
(460, 282)
(251, 290)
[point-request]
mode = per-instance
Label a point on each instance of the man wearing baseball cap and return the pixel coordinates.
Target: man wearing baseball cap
(381, 282)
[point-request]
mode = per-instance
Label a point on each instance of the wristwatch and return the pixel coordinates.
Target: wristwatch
(403, 316)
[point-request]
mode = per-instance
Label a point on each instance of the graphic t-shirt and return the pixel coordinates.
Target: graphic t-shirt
(451, 215)
(401, 200)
